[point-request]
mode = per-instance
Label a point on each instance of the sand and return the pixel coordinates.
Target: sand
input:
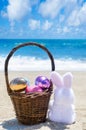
(8, 120)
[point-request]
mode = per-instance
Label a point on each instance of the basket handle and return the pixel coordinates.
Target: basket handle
(16, 48)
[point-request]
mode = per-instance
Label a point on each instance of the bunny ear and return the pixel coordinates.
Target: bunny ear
(68, 78)
(56, 79)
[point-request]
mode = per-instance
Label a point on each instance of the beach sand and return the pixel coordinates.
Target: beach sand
(8, 120)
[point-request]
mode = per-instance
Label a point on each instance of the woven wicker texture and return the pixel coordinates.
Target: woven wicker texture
(29, 108)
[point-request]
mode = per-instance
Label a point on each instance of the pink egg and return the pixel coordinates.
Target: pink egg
(30, 89)
(37, 89)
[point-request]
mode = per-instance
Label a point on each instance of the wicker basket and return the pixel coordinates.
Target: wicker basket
(29, 108)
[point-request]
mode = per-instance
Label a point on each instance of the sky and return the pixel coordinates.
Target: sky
(40, 19)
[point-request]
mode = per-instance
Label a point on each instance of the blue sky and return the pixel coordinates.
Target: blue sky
(43, 19)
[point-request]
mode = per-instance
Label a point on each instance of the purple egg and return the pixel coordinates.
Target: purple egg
(42, 82)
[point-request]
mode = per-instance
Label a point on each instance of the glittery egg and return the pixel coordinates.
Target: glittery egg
(19, 84)
(42, 81)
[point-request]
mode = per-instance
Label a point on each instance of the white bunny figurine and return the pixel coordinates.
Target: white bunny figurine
(62, 109)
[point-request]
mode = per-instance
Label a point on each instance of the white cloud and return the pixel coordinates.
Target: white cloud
(47, 25)
(17, 9)
(69, 6)
(63, 30)
(50, 8)
(82, 14)
(34, 24)
(68, 15)
(66, 29)
(61, 18)
(77, 17)
(73, 19)
(3, 14)
(59, 30)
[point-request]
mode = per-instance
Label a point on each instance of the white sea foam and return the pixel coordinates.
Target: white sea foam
(24, 63)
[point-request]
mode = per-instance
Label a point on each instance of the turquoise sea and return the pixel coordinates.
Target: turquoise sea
(69, 54)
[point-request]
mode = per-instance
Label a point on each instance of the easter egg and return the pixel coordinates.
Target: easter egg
(18, 84)
(37, 89)
(31, 89)
(42, 81)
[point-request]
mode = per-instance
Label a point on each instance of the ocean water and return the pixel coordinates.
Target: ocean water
(68, 54)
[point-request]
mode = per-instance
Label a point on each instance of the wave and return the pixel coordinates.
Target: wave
(24, 63)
